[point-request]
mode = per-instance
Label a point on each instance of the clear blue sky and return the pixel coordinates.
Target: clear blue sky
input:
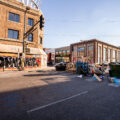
(69, 21)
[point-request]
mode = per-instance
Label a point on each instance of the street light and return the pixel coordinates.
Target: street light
(23, 55)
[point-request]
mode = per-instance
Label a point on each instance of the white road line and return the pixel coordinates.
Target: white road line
(59, 101)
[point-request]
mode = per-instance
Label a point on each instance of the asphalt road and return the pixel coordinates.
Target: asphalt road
(51, 95)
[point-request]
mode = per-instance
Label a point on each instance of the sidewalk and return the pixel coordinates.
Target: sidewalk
(15, 73)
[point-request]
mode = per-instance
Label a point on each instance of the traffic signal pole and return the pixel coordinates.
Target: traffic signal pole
(23, 54)
(31, 29)
(41, 21)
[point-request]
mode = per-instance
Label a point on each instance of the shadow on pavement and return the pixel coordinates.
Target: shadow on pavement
(47, 74)
(15, 104)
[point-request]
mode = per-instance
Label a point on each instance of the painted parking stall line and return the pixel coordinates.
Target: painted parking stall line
(56, 102)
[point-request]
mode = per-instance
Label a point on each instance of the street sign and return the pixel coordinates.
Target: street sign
(27, 50)
(23, 55)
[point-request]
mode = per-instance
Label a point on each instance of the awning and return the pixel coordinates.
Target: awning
(18, 49)
(10, 48)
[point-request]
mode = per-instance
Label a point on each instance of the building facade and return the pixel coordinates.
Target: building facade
(62, 54)
(94, 51)
(50, 55)
(12, 22)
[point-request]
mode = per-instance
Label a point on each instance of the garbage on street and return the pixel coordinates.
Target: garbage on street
(109, 72)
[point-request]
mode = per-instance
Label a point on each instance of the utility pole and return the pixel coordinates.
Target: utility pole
(23, 54)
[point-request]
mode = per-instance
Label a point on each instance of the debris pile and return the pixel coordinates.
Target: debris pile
(97, 72)
(71, 67)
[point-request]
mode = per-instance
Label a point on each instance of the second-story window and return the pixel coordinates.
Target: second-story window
(30, 37)
(14, 34)
(14, 17)
(56, 53)
(90, 51)
(81, 51)
(41, 40)
(30, 21)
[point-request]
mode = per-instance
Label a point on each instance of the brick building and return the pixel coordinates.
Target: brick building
(62, 54)
(95, 51)
(12, 17)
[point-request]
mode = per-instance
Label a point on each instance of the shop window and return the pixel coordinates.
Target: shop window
(14, 17)
(14, 34)
(1, 62)
(30, 37)
(30, 21)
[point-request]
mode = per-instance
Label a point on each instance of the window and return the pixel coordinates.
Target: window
(14, 34)
(90, 47)
(81, 51)
(56, 53)
(64, 52)
(105, 54)
(14, 17)
(41, 41)
(118, 56)
(99, 55)
(114, 56)
(109, 55)
(60, 52)
(30, 37)
(68, 51)
(30, 21)
(90, 50)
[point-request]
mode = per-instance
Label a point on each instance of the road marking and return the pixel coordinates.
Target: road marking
(59, 101)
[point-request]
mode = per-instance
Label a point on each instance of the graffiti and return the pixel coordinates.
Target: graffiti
(14, 62)
(31, 62)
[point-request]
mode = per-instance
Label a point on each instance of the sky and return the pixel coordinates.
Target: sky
(69, 21)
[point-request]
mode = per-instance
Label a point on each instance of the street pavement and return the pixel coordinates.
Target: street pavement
(50, 95)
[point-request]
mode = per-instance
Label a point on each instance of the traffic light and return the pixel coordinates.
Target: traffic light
(42, 21)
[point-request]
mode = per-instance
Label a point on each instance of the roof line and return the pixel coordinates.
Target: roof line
(96, 41)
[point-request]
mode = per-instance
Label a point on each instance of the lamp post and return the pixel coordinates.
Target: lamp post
(23, 54)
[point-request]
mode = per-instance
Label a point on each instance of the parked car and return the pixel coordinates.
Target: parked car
(60, 66)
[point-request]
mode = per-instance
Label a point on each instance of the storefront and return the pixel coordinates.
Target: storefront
(13, 59)
(62, 54)
(62, 58)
